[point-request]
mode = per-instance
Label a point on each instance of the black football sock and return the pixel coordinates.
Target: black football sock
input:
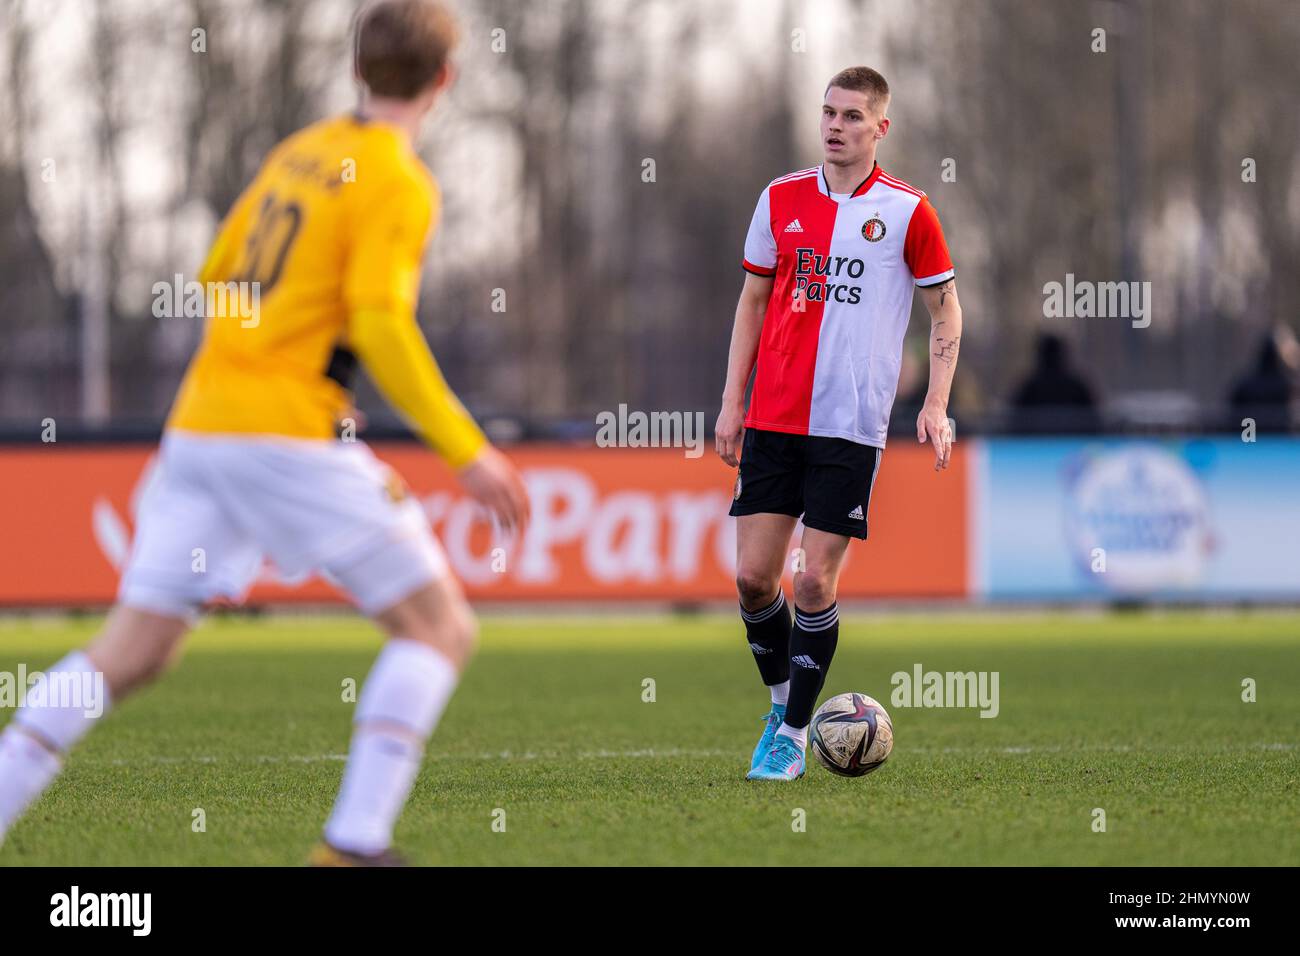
(812, 645)
(768, 632)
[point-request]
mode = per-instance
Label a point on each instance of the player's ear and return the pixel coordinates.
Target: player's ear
(882, 127)
(441, 80)
(446, 76)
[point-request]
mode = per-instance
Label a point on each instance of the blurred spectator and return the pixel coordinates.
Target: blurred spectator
(1264, 393)
(1053, 398)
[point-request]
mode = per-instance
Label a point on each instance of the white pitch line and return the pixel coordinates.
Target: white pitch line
(669, 753)
(502, 755)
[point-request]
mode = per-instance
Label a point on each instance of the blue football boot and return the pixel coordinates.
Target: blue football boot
(784, 761)
(771, 721)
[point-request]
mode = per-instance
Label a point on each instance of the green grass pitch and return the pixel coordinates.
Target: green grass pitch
(1138, 714)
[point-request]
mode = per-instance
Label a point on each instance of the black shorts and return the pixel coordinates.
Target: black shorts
(827, 481)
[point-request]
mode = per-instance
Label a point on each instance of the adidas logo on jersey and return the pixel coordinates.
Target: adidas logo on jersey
(856, 513)
(803, 660)
(794, 227)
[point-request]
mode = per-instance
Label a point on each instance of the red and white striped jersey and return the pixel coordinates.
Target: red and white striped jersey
(832, 341)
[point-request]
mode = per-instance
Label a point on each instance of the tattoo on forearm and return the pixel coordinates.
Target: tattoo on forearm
(946, 349)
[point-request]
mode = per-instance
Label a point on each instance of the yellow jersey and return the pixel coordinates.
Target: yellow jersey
(333, 227)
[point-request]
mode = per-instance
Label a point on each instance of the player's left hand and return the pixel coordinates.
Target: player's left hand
(932, 425)
(492, 480)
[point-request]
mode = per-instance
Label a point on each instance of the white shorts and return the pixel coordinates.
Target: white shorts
(218, 505)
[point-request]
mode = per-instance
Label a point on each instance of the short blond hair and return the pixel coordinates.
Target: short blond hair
(862, 79)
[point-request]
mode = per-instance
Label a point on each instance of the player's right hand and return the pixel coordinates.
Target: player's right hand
(492, 480)
(727, 433)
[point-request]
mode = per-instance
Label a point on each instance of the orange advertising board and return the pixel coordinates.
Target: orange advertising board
(608, 524)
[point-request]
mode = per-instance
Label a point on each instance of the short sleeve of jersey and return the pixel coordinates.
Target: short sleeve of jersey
(924, 249)
(387, 244)
(760, 244)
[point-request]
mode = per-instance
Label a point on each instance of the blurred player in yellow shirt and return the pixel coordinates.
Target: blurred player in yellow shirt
(315, 270)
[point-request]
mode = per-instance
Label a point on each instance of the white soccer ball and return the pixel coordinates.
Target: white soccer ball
(851, 734)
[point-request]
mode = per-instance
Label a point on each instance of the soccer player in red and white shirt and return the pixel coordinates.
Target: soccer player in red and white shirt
(832, 257)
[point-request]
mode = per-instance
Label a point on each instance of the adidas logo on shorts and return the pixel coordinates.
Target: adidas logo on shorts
(794, 227)
(856, 513)
(803, 660)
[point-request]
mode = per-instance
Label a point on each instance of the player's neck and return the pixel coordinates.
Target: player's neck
(843, 179)
(404, 115)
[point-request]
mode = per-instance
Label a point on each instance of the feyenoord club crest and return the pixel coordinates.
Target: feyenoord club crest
(737, 495)
(873, 230)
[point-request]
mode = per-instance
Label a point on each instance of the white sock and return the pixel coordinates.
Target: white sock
(56, 713)
(405, 694)
(26, 769)
(780, 692)
(798, 734)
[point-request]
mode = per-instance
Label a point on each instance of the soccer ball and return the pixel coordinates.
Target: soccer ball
(851, 735)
